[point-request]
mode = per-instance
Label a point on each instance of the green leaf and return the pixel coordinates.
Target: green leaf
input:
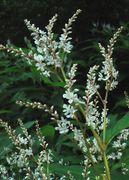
(75, 170)
(119, 176)
(48, 131)
(26, 125)
(123, 123)
(5, 144)
(53, 83)
(5, 111)
(120, 103)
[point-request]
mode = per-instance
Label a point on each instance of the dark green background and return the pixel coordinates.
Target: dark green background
(13, 13)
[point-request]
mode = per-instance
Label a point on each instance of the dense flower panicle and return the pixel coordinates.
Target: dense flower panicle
(48, 49)
(65, 40)
(119, 143)
(78, 136)
(108, 73)
(3, 172)
(91, 85)
(104, 114)
(45, 154)
(22, 140)
(86, 172)
(92, 116)
(50, 26)
(71, 77)
(71, 93)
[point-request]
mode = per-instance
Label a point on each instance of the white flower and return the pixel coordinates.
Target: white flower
(46, 156)
(71, 96)
(91, 86)
(3, 170)
(96, 146)
(124, 169)
(28, 152)
(108, 73)
(64, 44)
(92, 115)
(69, 111)
(63, 126)
(22, 140)
(78, 136)
(72, 72)
(38, 57)
(103, 116)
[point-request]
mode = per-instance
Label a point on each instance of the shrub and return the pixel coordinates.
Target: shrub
(98, 141)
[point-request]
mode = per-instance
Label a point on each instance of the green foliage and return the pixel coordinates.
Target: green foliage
(121, 124)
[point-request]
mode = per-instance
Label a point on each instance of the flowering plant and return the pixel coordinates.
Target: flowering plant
(84, 117)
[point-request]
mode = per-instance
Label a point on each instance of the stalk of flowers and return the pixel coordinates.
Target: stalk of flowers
(65, 40)
(47, 57)
(39, 105)
(16, 52)
(70, 109)
(108, 72)
(45, 154)
(48, 50)
(21, 160)
(46, 47)
(52, 48)
(91, 114)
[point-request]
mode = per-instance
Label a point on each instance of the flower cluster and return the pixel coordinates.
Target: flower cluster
(65, 40)
(70, 94)
(48, 50)
(108, 73)
(91, 114)
(22, 158)
(119, 145)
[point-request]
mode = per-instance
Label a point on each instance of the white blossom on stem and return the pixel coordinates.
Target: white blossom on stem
(108, 72)
(63, 126)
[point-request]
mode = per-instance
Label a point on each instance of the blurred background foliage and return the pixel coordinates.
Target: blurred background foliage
(13, 13)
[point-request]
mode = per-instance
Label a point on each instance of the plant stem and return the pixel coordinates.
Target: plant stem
(99, 141)
(108, 175)
(105, 114)
(63, 73)
(104, 128)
